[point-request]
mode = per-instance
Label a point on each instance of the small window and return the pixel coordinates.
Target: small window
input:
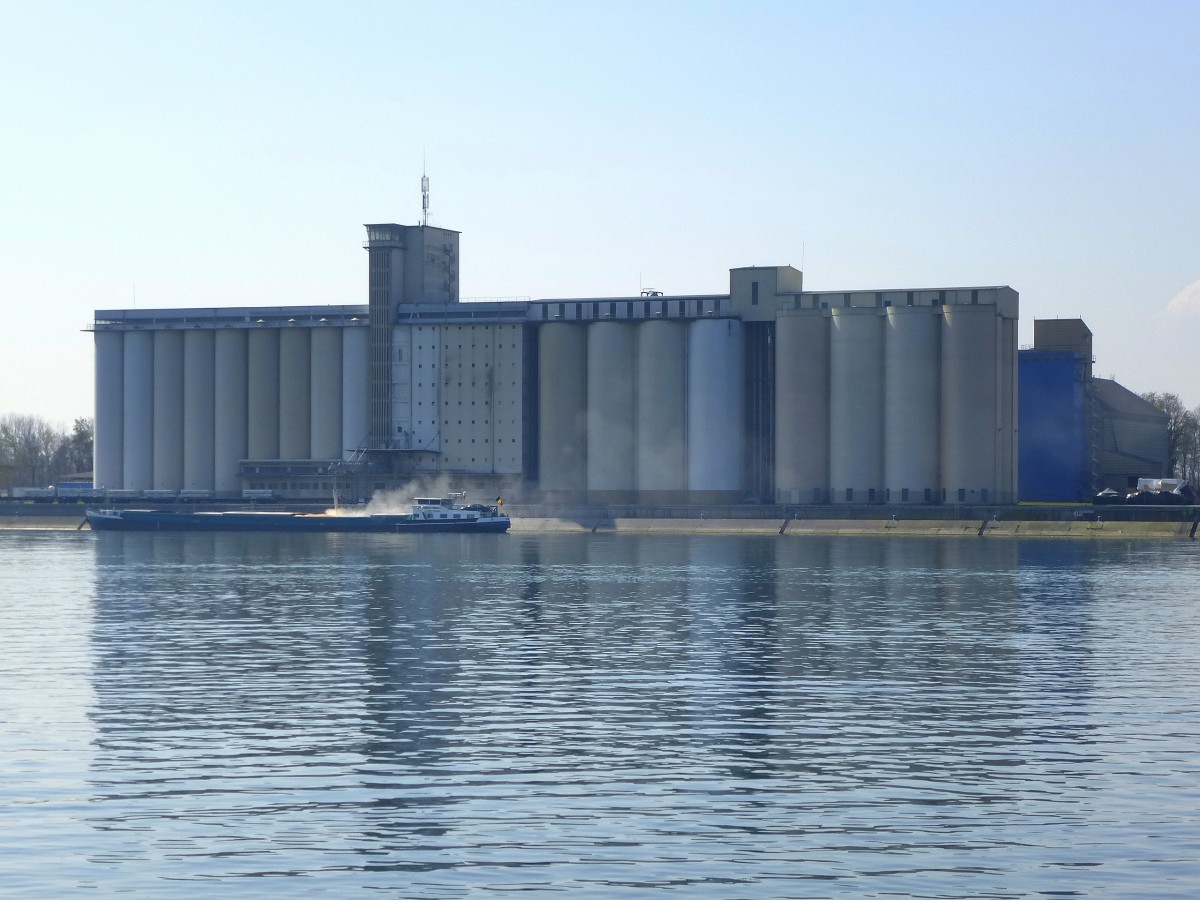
(754, 293)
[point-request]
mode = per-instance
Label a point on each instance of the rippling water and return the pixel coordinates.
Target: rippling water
(446, 716)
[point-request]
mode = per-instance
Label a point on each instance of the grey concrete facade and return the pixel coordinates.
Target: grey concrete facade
(767, 393)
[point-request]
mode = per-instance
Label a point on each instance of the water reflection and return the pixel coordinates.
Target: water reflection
(600, 712)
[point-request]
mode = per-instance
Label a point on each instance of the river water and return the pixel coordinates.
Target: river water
(598, 715)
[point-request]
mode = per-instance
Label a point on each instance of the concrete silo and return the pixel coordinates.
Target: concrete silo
(356, 388)
(137, 403)
(110, 396)
(661, 451)
(230, 426)
(856, 405)
(912, 380)
(325, 417)
(198, 410)
(969, 403)
(1007, 397)
(168, 411)
(802, 407)
(562, 408)
(715, 410)
(295, 400)
(611, 411)
(262, 394)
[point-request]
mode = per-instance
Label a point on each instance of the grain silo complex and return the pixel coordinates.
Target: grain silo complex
(765, 394)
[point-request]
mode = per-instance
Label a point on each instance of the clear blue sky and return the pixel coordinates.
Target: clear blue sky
(216, 154)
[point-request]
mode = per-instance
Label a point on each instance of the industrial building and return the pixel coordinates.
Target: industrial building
(767, 393)
(1081, 434)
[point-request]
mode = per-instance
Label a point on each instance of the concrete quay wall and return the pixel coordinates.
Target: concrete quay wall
(1012, 522)
(869, 527)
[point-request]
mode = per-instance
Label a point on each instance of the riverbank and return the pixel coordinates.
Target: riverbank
(874, 527)
(1164, 531)
(42, 523)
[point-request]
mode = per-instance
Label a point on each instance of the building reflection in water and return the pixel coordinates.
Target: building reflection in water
(399, 693)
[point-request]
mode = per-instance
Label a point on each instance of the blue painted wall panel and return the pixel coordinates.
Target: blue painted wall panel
(1052, 427)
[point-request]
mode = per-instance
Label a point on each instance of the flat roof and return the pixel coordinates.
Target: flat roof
(227, 317)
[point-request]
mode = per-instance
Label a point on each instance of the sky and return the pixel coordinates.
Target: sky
(205, 154)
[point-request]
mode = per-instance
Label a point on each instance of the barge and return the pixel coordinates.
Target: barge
(428, 514)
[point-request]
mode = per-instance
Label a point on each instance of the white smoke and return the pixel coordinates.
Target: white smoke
(398, 500)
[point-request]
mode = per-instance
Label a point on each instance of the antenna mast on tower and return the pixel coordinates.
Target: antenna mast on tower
(424, 198)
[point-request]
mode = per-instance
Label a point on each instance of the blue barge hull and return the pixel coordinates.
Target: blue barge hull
(157, 520)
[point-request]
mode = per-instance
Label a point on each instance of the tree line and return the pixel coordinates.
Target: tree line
(1183, 436)
(34, 453)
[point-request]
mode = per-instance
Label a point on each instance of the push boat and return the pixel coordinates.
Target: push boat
(428, 514)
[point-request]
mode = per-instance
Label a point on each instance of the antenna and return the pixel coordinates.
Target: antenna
(424, 197)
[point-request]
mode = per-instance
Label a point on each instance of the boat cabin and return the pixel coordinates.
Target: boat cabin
(446, 508)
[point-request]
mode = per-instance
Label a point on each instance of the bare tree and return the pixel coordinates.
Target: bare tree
(35, 454)
(1183, 436)
(1189, 449)
(27, 444)
(73, 456)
